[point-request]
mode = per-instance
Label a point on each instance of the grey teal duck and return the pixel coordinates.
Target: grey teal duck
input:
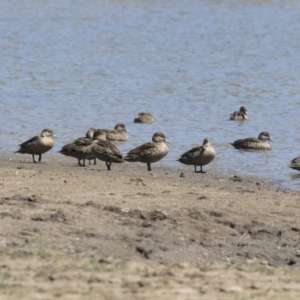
(199, 156)
(108, 152)
(260, 143)
(118, 134)
(240, 115)
(81, 148)
(295, 163)
(150, 152)
(144, 117)
(38, 145)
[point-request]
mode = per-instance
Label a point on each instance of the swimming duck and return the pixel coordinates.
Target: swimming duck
(117, 134)
(259, 143)
(240, 115)
(38, 145)
(199, 156)
(81, 148)
(144, 118)
(149, 152)
(295, 163)
(108, 152)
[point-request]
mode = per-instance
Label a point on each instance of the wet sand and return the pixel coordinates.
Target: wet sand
(84, 233)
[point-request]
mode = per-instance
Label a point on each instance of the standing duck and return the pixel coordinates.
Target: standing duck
(240, 115)
(260, 143)
(38, 145)
(108, 152)
(81, 148)
(199, 156)
(150, 152)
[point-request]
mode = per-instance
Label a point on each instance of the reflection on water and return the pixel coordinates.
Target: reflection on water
(70, 66)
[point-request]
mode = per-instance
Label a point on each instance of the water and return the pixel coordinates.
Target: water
(70, 65)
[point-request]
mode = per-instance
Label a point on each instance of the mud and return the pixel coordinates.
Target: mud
(74, 232)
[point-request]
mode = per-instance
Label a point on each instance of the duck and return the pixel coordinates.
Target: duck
(108, 152)
(81, 147)
(260, 143)
(117, 134)
(144, 117)
(295, 163)
(38, 144)
(199, 156)
(240, 115)
(149, 152)
(89, 134)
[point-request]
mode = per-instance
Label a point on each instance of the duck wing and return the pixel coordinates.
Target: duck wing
(107, 148)
(33, 140)
(242, 143)
(196, 151)
(83, 141)
(142, 151)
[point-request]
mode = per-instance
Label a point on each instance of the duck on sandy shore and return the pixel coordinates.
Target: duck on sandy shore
(199, 156)
(260, 143)
(38, 145)
(144, 117)
(81, 148)
(240, 115)
(150, 152)
(108, 152)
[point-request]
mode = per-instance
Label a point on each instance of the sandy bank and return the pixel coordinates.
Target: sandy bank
(142, 234)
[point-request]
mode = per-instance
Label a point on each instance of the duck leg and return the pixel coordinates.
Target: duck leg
(149, 166)
(95, 161)
(201, 171)
(108, 164)
(33, 158)
(40, 157)
(79, 162)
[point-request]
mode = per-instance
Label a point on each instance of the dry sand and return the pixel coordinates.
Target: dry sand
(86, 233)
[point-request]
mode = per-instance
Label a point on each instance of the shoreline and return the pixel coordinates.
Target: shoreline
(55, 157)
(69, 161)
(138, 231)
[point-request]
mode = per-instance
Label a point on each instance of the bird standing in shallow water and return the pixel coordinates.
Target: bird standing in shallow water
(150, 152)
(38, 145)
(260, 143)
(199, 156)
